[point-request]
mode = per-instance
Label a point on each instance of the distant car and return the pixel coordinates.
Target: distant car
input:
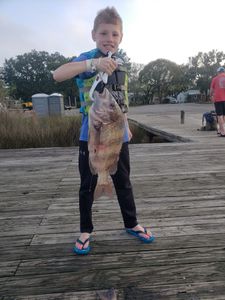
(27, 105)
(173, 100)
(170, 100)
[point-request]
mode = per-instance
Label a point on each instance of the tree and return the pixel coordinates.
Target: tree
(134, 86)
(182, 80)
(3, 90)
(159, 78)
(203, 67)
(3, 93)
(123, 55)
(30, 73)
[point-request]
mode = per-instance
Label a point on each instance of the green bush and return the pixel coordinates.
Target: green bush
(22, 130)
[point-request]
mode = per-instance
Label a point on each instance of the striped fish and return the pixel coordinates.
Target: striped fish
(106, 130)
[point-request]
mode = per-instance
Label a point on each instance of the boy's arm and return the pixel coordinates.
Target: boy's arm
(71, 69)
(128, 128)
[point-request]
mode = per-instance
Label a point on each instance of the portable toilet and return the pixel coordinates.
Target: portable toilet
(56, 104)
(40, 104)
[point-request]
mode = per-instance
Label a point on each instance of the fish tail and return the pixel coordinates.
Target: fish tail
(103, 190)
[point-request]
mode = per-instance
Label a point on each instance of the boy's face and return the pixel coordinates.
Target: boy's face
(107, 37)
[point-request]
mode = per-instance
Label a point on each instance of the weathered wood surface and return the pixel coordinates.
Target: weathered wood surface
(180, 193)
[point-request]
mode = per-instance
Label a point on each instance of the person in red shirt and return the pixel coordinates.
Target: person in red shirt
(217, 94)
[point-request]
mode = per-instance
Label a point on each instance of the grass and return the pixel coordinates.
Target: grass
(25, 130)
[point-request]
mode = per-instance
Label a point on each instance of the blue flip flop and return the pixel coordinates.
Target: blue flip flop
(82, 251)
(138, 235)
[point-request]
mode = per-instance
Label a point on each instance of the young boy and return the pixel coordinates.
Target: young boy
(107, 34)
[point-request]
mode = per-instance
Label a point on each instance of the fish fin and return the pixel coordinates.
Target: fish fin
(103, 190)
(114, 166)
(113, 169)
(92, 169)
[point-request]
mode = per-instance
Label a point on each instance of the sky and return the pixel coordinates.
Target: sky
(152, 29)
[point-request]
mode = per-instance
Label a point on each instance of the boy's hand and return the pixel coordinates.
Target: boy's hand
(130, 135)
(106, 65)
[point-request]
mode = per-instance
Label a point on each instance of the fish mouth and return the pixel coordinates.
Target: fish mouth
(102, 92)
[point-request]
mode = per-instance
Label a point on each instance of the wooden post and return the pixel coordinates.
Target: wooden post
(182, 113)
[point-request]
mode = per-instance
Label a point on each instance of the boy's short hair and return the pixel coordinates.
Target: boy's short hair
(109, 15)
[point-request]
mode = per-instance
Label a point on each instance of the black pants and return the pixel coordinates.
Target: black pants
(122, 185)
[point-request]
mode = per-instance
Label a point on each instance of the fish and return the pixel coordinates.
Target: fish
(105, 139)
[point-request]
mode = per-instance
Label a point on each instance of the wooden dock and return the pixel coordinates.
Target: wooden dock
(180, 194)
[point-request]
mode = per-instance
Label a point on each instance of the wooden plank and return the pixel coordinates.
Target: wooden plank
(90, 279)
(8, 268)
(115, 234)
(204, 291)
(86, 295)
(113, 246)
(118, 260)
(15, 240)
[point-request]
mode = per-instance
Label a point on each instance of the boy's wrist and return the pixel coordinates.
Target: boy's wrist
(91, 65)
